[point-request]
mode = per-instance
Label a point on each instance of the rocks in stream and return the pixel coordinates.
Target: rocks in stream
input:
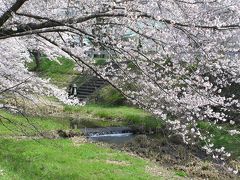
(61, 134)
(106, 130)
(68, 134)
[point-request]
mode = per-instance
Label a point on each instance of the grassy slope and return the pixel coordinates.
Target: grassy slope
(61, 74)
(17, 124)
(60, 159)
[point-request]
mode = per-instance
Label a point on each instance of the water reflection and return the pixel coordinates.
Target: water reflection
(119, 138)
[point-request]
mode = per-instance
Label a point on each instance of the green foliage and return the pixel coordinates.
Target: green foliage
(11, 124)
(192, 68)
(59, 159)
(110, 96)
(133, 67)
(222, 138)
(130, 87)
(100, 61)
(60, 73)
(168, 62)
(181, 174)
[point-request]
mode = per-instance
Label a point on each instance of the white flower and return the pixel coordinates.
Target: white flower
(164, 116)
(192, 130)
(222, 148)
(233, 132)
(228, 154)
(235, 171)
(14, 28)
(230, 169)
(210, 145)
(232, 122)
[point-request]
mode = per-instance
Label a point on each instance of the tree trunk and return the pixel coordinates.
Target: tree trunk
(37, 58)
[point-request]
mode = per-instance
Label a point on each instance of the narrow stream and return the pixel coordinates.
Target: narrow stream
(113, 135)
(119, 138)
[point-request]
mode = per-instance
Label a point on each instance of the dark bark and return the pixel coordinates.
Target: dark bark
(37, 57)
(12, 9)
(49, 23)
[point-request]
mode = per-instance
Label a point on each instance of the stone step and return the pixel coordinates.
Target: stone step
(86, 90)
(92, 86)
(89, 87)
(84, 93)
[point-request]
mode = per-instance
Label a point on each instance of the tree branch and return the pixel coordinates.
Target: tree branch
(52, 23)
(12, 9)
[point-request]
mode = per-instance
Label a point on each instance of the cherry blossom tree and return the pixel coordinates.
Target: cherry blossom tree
(178, 59)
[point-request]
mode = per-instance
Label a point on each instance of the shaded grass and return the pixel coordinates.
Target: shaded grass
(12, 124)
(59, 159)
(181, 173)
(126, 115)
(222, 138)
(108, 95)
(61, 74)
(100, 61)
(95, 123)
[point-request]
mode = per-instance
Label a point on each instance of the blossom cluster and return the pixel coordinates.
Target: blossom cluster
(177, 59)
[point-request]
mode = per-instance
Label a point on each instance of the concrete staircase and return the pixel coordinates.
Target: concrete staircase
(85, 90)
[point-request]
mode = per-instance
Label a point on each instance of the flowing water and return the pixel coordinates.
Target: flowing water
(119, 138)
(113, 135)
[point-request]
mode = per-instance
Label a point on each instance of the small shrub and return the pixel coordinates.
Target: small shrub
(110, 96)
(100, 61)
(181, 174)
